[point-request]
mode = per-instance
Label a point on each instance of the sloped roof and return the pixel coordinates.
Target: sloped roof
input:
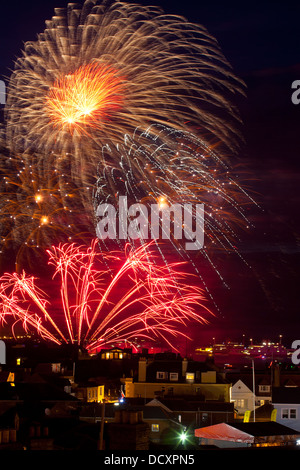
(243, 432)
(265, 428)
(158, 403)
(224, 432)
(149, 412)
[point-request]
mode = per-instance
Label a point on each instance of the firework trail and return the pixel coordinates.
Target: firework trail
(154, 302)
(175, 167)
(98, 72)
(174, 171)
(130, 99)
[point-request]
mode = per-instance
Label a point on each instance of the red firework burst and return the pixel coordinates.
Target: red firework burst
(141, 299)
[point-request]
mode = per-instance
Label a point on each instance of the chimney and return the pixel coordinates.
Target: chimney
(184, 366)
(142, 369)
(276, 377)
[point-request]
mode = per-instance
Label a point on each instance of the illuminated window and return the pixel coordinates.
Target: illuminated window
(190, 376)
(240, 403)
(155, 427)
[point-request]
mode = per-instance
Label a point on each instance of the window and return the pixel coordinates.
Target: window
(190, 376)
(264, 388)
(155, 427)
(56, 367)
(288, 413)
(161, 375)
(174, 376)
(240, 403)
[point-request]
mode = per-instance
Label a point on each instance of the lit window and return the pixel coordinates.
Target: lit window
(155, 427)
(190, 376)
(240, 403)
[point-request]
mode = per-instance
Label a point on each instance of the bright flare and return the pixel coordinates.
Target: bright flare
(85, 98)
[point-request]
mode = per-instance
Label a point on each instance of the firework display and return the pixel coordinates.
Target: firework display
(99, 72)
(142, 299)
(115, 100)
(174, 168)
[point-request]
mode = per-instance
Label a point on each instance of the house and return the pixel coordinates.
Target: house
(286, 400)
(232, 435)
(91, 391)
(9, 426)
(161, 422)
(173, 376)
(242, 391)
(192, 412)
(242, 397)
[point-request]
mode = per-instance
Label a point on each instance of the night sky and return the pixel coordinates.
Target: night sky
(261, 41)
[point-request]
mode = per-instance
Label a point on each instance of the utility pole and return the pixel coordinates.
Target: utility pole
(253, 380)
(102, 425)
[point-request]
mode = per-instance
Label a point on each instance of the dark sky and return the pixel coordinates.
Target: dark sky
(261, 41)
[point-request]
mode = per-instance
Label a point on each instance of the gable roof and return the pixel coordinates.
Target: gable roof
(241, 385)
(265, 428)
(156, 402)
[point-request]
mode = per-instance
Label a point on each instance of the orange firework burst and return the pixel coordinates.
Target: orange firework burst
(85, 98)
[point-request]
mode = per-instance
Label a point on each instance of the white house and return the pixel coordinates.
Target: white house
(242, 396)
(286, 400)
